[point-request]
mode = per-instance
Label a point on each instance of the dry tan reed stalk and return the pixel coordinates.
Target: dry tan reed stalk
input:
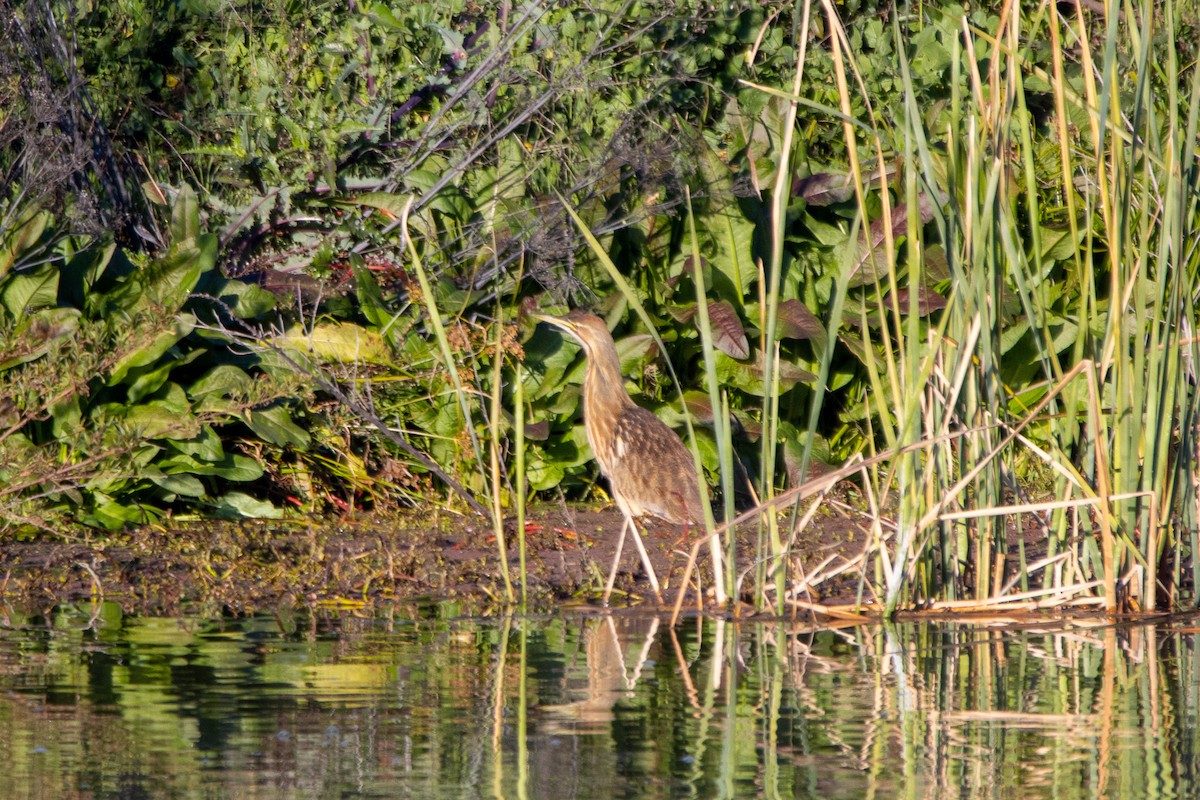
(837, 612)
(826, 482)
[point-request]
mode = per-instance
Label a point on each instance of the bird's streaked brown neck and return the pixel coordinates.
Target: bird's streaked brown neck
(603, 385)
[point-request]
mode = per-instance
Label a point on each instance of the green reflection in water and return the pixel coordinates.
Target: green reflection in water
(418, 704)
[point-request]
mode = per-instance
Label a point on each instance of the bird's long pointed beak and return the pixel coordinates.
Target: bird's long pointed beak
(558, 322)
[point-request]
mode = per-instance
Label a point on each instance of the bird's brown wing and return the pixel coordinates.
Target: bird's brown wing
(651, 470)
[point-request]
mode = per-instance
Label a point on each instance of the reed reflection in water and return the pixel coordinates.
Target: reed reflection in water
(419, 703)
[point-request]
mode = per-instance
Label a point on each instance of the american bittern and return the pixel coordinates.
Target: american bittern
(648, 468)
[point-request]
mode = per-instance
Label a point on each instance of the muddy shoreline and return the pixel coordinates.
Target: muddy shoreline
(254, 567)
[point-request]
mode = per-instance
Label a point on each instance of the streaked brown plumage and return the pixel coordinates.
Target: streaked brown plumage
(648, 468)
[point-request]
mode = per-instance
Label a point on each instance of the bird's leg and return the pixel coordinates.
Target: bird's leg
(687, 531)
(612, 573)
(637, 540)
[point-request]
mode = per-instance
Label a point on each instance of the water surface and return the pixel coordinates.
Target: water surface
(421, 703)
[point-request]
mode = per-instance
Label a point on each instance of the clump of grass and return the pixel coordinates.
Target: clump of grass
(1067, 331)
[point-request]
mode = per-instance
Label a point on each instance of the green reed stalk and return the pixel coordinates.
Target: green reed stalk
(519, 437)
(721, 428)
(498, 692)
(439, 333)
(780, 196)
(523, 715)
(495, 417)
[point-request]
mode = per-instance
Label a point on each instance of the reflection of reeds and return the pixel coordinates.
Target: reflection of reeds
(551, 707)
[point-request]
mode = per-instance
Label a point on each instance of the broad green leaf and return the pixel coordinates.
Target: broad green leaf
(274, 424)
(549, 355)
(143, 382)
(158, 421)
(370, 299)
(245, 300)
(22, 237)
(338, 342)
(201, 448)
(173, 398)
(220, 389)
(544, 474)
(1058, 244)
(635, 352)
(223, 380)
(185, 219)
(793, 320)
(186, 485)
(152, 351)
(388, 202)
(734, 255)
(236, 505)
(565, 452)
(728, 334)
(171, 280)
(823, 188)
(66, 416)
(114, 515)
(27, 292)
(232, 467)
(81, 272)
(36, 334)
(166, 282)
(749, 376)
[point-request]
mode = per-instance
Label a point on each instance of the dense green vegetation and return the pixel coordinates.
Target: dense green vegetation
(260, 256)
